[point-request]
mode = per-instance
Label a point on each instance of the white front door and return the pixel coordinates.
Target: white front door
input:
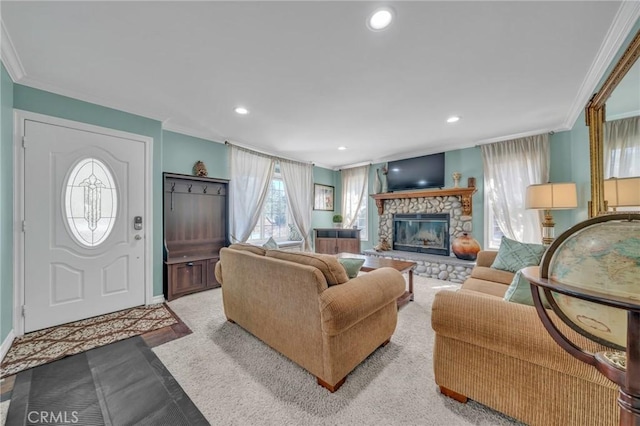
(83, 256)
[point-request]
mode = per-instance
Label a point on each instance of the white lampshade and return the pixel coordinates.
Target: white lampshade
(552, 196)
(622, 192)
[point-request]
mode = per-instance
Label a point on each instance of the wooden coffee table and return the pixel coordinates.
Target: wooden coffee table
(372, 263)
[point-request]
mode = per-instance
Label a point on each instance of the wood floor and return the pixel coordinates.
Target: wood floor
(151, 339)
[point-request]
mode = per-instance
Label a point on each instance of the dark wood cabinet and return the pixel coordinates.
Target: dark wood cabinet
(336, 240)
(195, 229)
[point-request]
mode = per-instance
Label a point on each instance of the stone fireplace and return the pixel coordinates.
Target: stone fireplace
(421, 233)
(454, 203)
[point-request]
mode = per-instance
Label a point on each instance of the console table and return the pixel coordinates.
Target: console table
(336, 240)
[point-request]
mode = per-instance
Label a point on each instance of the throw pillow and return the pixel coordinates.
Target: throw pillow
(294, 234)
(333, 272)
(519, 291)
(352, 265)
(270, 244)
(513, 255)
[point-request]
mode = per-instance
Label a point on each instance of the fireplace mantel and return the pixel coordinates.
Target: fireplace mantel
(465, 194)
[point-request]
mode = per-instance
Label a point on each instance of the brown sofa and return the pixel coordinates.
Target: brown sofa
(283, 299)
(499, 354)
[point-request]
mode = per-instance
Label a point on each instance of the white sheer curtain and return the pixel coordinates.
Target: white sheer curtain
(354, 188)
(251, 174)
(298, 184)
(509, 167)
(622, 148)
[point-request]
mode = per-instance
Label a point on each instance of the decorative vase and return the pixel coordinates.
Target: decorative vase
(377, 185)
(383, 179)
(465, 247)
(456, 179)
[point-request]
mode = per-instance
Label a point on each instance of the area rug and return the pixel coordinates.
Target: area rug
(235, 379)
(50, 344)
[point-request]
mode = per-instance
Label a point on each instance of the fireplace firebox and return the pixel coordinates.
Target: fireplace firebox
(422, 233)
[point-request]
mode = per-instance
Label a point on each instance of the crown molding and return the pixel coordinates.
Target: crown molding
(628, 14)
(10, 57)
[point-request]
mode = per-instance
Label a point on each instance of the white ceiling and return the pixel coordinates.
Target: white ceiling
(315, 78)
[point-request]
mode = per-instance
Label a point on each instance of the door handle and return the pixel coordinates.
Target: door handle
(138, 237)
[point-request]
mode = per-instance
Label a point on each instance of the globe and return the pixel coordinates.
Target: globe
(601, 259)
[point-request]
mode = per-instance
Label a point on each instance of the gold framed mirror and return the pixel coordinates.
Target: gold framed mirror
(596, 116)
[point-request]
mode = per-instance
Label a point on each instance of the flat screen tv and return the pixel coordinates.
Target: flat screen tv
(416, 173)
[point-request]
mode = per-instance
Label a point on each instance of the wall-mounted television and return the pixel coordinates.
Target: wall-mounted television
(416, 173)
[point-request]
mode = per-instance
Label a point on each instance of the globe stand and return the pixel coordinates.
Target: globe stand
(621, 367)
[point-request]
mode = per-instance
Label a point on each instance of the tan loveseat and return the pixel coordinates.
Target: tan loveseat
(283, 299)
(499, 354)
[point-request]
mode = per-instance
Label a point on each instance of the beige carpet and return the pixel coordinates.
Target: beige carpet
(234, 379)
(50, 344)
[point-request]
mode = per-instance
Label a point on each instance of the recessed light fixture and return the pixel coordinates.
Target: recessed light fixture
(342, 148)
(380, 19)
(241, 110)
(453, 119)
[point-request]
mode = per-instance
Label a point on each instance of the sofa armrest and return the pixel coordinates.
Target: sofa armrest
(218, 272)
(511, 329)
(342, 306)
(486, 258)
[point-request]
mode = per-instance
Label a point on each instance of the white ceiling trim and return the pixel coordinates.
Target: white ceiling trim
(624, 21)
(10, 57)
(176, 128)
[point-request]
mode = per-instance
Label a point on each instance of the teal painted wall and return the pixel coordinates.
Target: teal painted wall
(41, 102)
(323, 219)
(6, 204)
(180, 152)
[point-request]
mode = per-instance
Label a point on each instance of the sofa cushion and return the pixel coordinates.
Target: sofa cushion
(352, 265)
(514, 255)
(485, 287)
(248, 247)
(332, 270)
(520, 292)
(270, 244)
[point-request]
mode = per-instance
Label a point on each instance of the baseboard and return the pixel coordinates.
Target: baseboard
(157, 299)
(6, 344)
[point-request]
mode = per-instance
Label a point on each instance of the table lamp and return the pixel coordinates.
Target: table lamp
(622, 192)
(551, 196)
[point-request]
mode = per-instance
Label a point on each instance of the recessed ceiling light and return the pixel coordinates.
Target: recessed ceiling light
(453, 119)
(241, 110)
(342, 148)
(380, 19)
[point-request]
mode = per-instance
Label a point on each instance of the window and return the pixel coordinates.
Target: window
(493, 234)
(91, 202)
(362, 221)
(275, 219)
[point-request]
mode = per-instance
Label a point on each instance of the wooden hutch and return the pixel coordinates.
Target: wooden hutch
(195, 229)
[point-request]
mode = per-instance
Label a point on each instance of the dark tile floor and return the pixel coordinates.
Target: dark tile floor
(123, 383)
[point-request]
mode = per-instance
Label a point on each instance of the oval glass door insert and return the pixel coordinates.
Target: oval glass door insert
(91, 202)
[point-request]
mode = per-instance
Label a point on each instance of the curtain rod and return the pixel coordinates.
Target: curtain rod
(266, 154)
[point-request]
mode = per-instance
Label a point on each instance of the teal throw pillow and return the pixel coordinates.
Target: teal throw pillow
(352, 265)
(519, 291)
(513, 255)
(270, 244)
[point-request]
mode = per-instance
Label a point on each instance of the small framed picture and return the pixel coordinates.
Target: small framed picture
(322, 197)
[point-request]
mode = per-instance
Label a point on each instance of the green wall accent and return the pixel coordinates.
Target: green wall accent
(6, 204)
(323, 219)
(41, 102)
(180, 152)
